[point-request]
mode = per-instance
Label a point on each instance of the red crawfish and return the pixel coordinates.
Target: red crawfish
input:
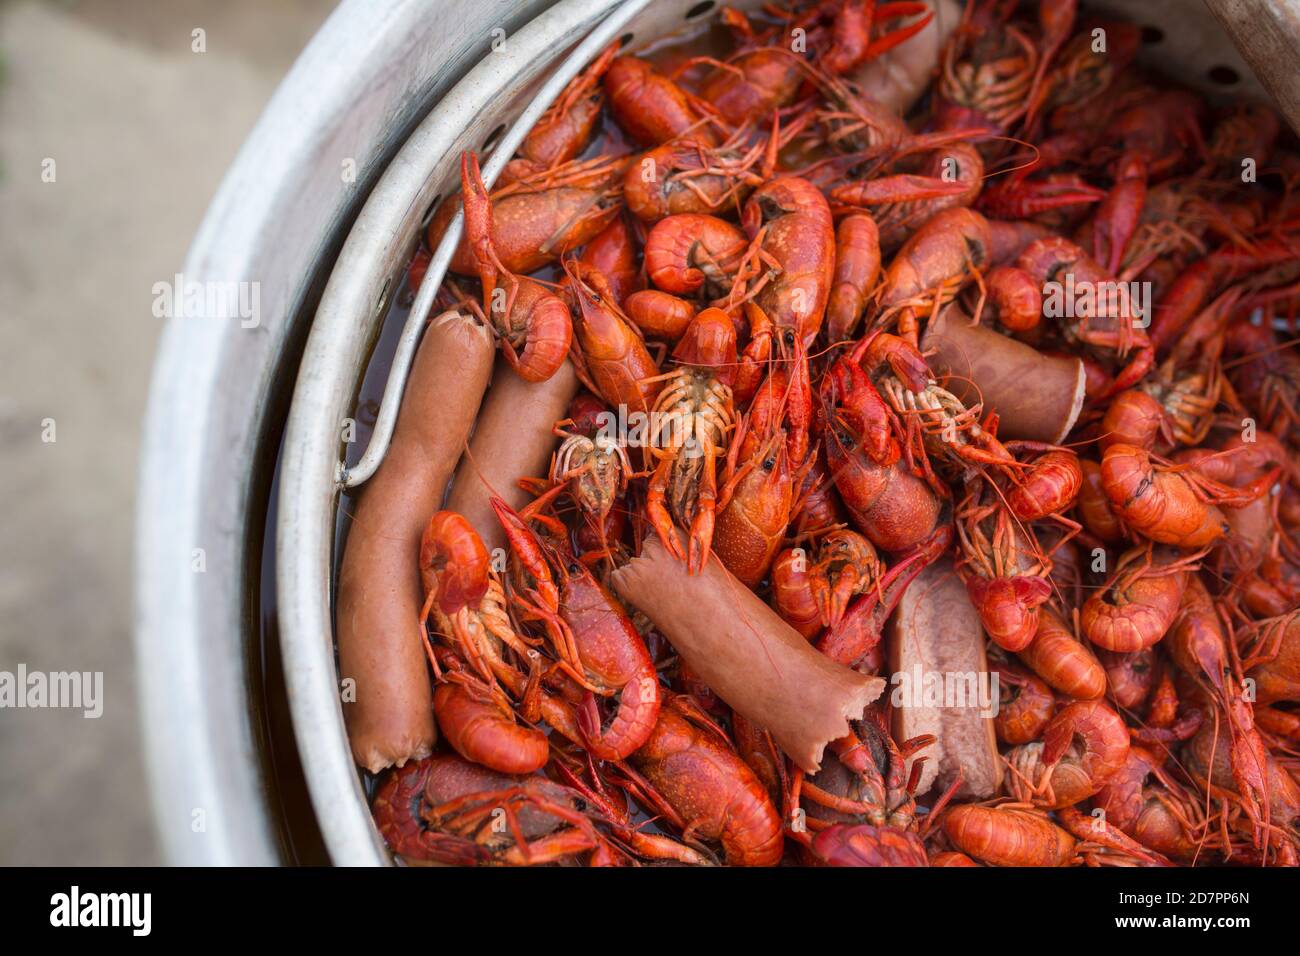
(1255, 265)
(689, 253)
(1014, 299)
(862, 844)
(855, 641)
(867, 779)
(1272, 586)
(465, 598)
(1161, 128)
(1018, 193)
(692, 417)
(1189, 384)
(790, 220)
(867, 132)
(818, 587)
(1075, 87)
(1105, 846)
(765, 465)
(536, 218)
(591, 462)
(1084, 745)
(1003, 569)
(611, 357)
(782, 400)
(1129, 677)
(1271, 656)
(1008, 835)
(567, 124)
(817, 506)
(894, 508)
(1062, 660)
(937, 423)
(932, 267)
(1107, 320)
(1171, 504)
(1282, 724)
(989, 68)
(701, 780)
(532, 322)
(1025, 706)
(445, 809)
(1048, 486)
(1142, 800)
(690, 176)
(1201, 649)
(613, 252)
(857, 267)
(653, 109)
(756, 747)
(1134, 417)
(479, 723)
(950, 176)
(754, 82)
(1267, 377)
(1139, 600)
(851, 28)
(792, 596)
(1243, 129)
(754, 510)
(1270, 839)
(888, 503)
(591, 636)
(659, 314)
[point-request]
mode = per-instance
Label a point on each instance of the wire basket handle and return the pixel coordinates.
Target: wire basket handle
(586, 51)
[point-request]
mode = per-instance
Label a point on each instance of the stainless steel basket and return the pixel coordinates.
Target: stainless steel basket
(204, 427)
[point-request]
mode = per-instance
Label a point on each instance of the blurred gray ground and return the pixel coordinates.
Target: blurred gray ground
(141, 130)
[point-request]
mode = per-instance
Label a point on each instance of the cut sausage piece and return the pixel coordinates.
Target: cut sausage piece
(899, 77)
(512, 440)
(746, 654)
(1038, 397)
(379, 597)
(935, 635)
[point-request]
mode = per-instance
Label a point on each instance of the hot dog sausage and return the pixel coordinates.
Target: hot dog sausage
(750, 658)
(379, 597)
(936, 635)
(512, 440)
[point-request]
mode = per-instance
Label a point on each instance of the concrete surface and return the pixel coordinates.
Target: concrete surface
(140, 129)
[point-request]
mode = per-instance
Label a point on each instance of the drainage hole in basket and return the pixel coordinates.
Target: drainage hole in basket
(492, 138)
(1224, 75)
(699, 10)
(626, 40)
(1151, 35)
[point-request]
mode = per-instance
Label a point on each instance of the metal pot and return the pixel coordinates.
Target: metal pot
(220, 391)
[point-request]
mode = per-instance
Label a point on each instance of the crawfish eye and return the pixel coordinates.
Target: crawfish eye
(769, 464)
(573, 567)
(788, 338)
